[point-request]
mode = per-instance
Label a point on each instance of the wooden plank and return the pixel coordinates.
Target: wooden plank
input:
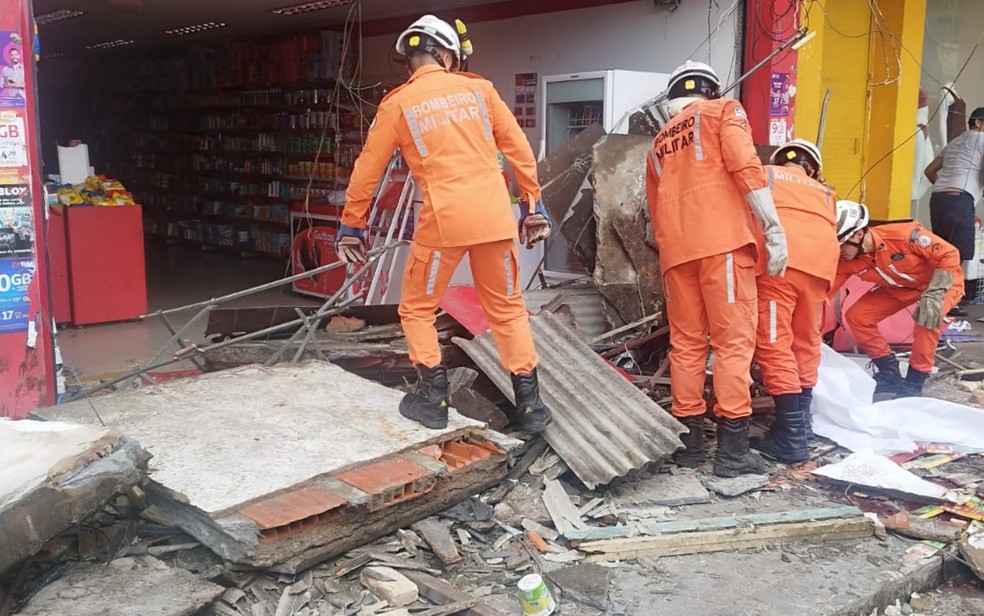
(442, 593)
(726, 540)
(438, 537)
(562, 511)
(720, 523)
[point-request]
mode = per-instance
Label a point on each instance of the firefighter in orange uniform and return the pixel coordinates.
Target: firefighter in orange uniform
(787, 348)
(909, 265)
(704, 181)
(449, 127)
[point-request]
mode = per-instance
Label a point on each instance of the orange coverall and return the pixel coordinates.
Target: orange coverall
(699, 169)
(449, 128)
(901, 265)
(787, 347)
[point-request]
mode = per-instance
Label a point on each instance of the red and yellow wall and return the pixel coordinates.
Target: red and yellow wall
(870, 62)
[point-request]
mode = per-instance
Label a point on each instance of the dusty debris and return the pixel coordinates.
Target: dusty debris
(562, 511)
(440, 592)
(54, 475)
(389, 585)
(919, 528)
(726, 486)
(436, 534)
(124, 587)
(586, 584)
(591, 403)
(665, 489)
(523, 502)
(878, 472)
(972, 549)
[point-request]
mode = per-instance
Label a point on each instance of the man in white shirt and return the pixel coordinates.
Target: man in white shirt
(957, 175)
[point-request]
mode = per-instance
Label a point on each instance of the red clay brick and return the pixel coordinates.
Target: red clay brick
(284, 509)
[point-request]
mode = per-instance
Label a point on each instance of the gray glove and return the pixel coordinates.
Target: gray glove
(929, 310)
(760, 201)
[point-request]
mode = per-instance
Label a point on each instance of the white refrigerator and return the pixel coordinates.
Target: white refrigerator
(569, 104)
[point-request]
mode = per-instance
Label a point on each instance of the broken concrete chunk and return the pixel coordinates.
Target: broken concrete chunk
(53, 475)
(670, 490)
(972, 549)
(734, 486)
(522, 503)
(389, 585)
(920, 528)
(436, 534)
(586, 584)
(123, 588)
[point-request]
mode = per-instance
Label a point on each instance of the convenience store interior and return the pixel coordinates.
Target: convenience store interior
(218, 118)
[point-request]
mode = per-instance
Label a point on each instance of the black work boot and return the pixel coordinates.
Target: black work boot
(533, 415)
(786, 441)
(806, 404)
(888, 379)
(733, 456)
(912, 386)
(692, 455)
(429, 404)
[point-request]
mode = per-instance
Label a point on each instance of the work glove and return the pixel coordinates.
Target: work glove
(760, 201)
(929, 310)
(534, 223)
(350, 245)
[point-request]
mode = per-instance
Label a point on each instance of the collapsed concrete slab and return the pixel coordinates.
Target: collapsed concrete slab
(284, 467)
(53, 475)
(626, 264)
(124, 587)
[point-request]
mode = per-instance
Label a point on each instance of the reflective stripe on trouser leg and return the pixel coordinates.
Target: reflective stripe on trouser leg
(432, 272)
(688, 335)
(732, 329)
(777, 299)
(494, 267)
(425, 279)
(772, 321)
(729, 275)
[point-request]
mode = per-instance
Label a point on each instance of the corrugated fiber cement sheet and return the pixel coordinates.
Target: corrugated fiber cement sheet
(603, 425)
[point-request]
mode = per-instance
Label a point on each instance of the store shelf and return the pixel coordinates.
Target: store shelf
(230, 220)
(208, 246)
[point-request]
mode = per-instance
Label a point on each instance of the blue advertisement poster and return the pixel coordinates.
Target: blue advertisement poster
(15, 306)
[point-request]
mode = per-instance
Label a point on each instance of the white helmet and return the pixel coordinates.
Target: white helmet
(790, 151)
(429, 31)
(851, 218)
(693, 78)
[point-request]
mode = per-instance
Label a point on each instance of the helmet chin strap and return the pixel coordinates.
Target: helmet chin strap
(858, 245)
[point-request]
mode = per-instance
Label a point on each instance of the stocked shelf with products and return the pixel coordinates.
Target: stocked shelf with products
(224, 139)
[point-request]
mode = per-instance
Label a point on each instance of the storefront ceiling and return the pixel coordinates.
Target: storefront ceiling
(145, 21)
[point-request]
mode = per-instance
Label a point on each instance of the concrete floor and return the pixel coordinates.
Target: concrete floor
(176, 276)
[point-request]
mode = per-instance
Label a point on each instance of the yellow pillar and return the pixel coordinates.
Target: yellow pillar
(894, 87)
(836, 58)
(874, 87)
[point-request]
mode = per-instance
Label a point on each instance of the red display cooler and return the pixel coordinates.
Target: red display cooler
(98, 261)
(313, 246)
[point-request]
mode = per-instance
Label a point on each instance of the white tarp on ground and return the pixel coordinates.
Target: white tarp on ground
(844, 413)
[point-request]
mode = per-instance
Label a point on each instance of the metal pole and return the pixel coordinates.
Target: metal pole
(823, 118)
(197, 352)
(266, 286)
(786, 45)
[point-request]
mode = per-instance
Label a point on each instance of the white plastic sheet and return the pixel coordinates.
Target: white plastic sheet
(843, 412)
